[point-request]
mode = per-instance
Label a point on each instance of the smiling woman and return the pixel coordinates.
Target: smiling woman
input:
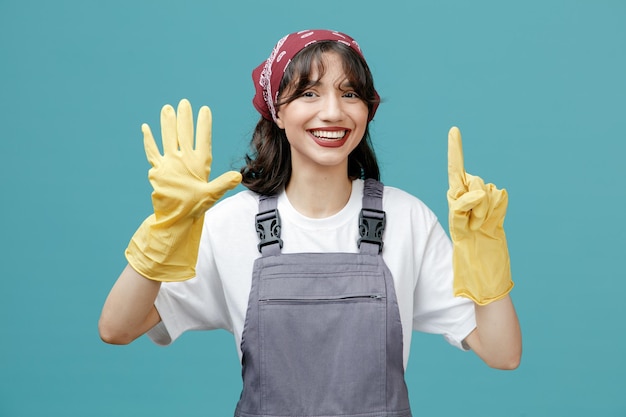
(307, 67)
(331, 272)
(324, 124)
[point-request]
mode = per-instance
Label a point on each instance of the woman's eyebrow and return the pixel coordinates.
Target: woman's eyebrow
(346, 85)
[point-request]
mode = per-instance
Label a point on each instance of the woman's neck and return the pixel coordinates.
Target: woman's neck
(319, 194)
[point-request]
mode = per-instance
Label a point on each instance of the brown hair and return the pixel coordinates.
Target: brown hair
(268, 167)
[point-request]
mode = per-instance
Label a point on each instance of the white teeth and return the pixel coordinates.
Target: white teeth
(323, 134)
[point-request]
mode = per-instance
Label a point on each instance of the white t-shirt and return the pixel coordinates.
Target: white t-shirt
(416, 249)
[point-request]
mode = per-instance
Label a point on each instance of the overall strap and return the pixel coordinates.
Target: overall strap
(372, 218)
(268, 226)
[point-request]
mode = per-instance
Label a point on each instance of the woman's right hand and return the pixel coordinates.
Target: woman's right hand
(165, 247)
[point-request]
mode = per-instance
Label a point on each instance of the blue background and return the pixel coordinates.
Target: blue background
(538, 89)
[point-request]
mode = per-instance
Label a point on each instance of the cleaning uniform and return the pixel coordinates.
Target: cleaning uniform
(417, 251)
(323, 335)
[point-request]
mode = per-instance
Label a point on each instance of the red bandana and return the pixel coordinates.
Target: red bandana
(268, 75)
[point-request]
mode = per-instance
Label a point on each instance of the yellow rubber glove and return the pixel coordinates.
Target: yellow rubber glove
(165, 247)
(480, 260)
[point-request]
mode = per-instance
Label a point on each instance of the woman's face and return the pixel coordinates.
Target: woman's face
(327, 121)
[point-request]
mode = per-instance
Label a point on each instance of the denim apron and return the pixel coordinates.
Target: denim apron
(322, 335)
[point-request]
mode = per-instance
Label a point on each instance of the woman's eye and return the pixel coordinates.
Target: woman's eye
(351, 94)
(308, 94)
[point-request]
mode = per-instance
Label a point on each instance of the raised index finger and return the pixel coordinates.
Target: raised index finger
(456, 167)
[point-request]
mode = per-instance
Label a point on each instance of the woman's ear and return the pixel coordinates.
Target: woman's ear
(279, 121)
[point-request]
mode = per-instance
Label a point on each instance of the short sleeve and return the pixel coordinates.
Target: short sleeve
(195, 304)
(435, 308)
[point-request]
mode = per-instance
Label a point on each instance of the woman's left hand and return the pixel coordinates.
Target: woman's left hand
(480, 259)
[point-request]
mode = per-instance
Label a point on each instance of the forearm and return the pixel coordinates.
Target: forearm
(497, 339)
(129, 310)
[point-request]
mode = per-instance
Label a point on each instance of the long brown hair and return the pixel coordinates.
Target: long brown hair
(268, 166)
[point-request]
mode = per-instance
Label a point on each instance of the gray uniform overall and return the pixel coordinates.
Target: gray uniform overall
(322, 335)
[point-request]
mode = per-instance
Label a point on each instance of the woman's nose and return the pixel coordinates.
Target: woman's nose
(331, 109)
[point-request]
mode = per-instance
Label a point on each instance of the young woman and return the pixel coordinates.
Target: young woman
(319, 271)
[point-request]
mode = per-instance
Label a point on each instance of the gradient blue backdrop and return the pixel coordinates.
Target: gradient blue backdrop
(538, 89)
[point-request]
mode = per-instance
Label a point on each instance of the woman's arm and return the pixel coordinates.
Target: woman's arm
(129, 310)
(165, 247)
(480, 260)
(497, 339)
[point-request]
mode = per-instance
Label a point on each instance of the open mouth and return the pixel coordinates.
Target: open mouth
(330, 138)
(329, 134)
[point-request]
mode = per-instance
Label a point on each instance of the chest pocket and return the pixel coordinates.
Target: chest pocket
(322, 336)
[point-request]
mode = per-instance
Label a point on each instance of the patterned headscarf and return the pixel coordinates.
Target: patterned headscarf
(268, 75)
